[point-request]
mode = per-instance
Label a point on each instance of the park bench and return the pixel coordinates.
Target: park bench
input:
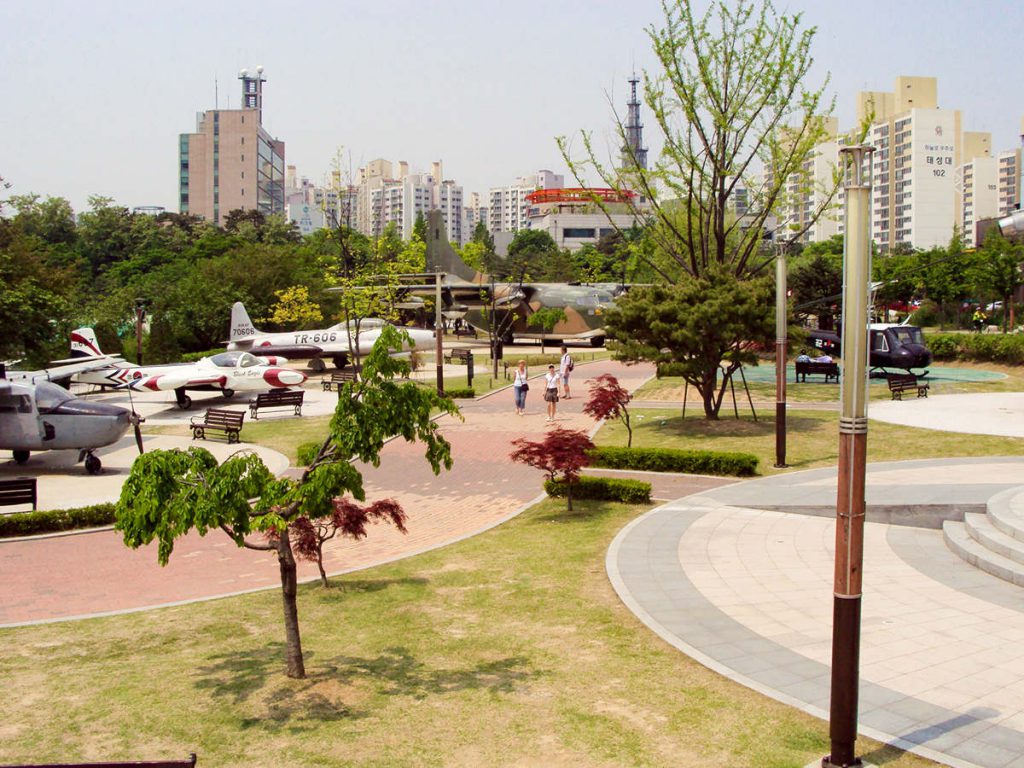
(459, 354)
(906, 382)
(21, 490)
(829, 370)
(190, 762)
(220, 420)
(277, 398)
(336, 380)
(465, 330)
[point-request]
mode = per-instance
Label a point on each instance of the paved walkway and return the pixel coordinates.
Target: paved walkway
(93, 573)
(733, 578)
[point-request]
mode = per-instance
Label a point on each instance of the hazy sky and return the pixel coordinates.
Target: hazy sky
(94, 94)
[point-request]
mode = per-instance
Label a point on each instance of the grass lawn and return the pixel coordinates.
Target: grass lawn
(507, 649)
(670, 389)
(812, 438)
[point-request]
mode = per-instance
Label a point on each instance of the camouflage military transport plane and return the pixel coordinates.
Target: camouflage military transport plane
(465, 288)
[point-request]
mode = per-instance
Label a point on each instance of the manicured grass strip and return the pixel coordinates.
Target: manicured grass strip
(507, 649)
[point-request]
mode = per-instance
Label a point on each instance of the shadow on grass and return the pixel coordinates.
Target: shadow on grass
(300, 705)
(340, 587)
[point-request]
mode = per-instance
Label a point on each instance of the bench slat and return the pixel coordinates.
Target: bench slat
(20, 490)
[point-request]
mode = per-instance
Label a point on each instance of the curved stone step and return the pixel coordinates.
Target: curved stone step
(981, 529)
(960, 542)
(1006, 512)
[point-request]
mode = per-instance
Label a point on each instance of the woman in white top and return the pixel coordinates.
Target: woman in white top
(520, 387)
(551, 379)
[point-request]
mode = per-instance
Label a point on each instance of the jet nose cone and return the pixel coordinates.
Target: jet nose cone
(284, 377)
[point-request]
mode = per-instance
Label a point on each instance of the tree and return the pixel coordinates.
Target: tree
(561, 455)
(294, 310)
(169, 493)
(817, 284)
(730, 104)
(998, 270)
(701, 323)
(609, 400)
(526, 254)
(546, 318)
(348, 519)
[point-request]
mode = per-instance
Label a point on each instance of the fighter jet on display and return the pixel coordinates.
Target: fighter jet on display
(513, 303)
(38, 415)
(314, 345)
(228, 372)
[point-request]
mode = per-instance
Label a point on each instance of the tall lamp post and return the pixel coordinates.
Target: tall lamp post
(853, 439)
(140, 317)
(781, 332)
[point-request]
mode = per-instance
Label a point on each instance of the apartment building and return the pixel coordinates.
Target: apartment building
(231, 161)
(508, 207)
(806, 193)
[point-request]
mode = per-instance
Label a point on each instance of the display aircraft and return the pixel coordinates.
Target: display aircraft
(227, 373)
(513, 303)
(890, 346)
(313, 345)
(38, 415)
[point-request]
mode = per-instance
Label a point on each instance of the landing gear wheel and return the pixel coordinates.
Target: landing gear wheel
(93, 465)
(20, 457)
(229, 393)
(316, 365)
(184, 402)
(597, 341)
(340, 361)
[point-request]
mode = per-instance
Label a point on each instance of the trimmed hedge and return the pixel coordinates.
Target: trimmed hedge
(675, 460)
(460, 392)
(980, 347)
(51, 520)
(603, 489)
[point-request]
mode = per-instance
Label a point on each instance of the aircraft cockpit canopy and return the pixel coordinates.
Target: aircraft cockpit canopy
(235, 360)
(595, 299)
(49, 396)
(908, 334)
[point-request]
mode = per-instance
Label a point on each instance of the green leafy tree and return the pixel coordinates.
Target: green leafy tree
(527, 252)
(816, 283)
(294, 310)
(701, 323)
(998, 270)
(546, 318)
(170, 493)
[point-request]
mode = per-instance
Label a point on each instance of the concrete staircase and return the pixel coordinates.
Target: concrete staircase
(994, 541)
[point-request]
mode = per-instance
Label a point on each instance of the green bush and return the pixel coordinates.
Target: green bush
(460, 392)
(49, 521)
(675, 460)
(306, 452)
(603, 489)
(978, 347)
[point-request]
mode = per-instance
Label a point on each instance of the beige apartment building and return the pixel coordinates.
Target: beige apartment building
(231, 162)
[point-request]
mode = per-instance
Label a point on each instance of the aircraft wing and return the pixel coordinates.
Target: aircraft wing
(64, 369)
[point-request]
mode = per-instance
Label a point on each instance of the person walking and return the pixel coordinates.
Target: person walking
(564, 369)
(520, 387)
(551, 391)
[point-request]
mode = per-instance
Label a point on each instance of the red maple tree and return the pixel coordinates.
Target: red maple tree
(562, 454)
(348, 519)
(608, 400)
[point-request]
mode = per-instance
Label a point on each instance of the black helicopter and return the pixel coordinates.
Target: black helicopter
(890, 346)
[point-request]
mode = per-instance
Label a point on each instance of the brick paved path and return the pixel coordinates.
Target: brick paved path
(92, 573)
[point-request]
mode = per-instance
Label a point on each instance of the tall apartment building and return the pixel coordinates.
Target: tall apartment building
(806, 193)
(473, 212)
(383, 197)
(988, 187)
(231, 161)
(508, 207)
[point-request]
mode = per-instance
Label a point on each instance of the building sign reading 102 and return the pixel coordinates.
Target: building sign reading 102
(939, 160)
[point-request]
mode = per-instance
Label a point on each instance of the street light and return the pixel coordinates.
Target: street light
(140, 317)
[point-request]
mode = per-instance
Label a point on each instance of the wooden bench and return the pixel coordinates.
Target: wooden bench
(277, 398)
(21, 490)
(190, 762)
(905, 382)
(459, 354)
(220, 420)
(336, 380)
(829, 370)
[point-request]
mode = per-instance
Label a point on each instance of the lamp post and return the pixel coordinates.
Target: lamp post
(140, 316)
(781, 332)
(438, 332)
(853, 438)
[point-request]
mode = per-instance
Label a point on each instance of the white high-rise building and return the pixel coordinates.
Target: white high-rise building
(383, 197)
(508, 208)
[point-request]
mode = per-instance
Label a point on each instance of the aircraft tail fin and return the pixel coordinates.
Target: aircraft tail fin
(84, 343)
(241, 326)
(441, 256)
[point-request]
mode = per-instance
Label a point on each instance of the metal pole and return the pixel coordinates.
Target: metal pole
(438, 332)
(853, 438)
(140, 313)
(781, 332)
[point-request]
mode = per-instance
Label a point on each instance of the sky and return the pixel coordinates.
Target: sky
(93, 95)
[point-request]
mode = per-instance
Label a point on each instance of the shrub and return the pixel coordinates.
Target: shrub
(460, 392)
(48, 521)
(979, 347)
(306, 452)
(675, 460)
(603, 489)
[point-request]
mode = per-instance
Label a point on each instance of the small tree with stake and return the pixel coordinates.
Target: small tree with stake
(170, 493)
(561, 455)
(348, 519)
(608, 400)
